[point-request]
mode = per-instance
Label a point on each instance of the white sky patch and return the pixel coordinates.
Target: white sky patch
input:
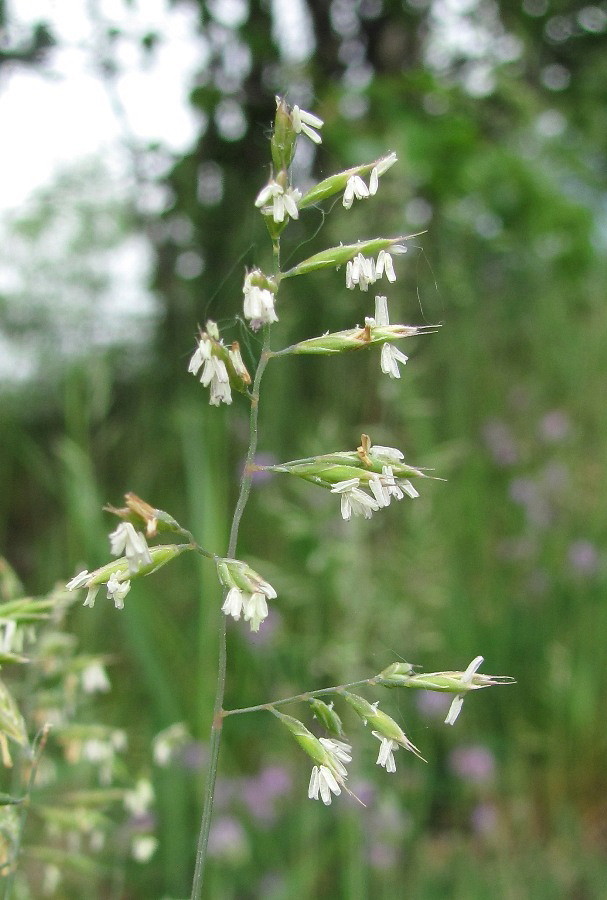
(61, 305)
(42, 130)
(292, 30)
(231, 13)
(469, 31)
(58, 113)
(59, 117)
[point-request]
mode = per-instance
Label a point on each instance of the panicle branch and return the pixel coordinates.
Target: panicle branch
(365, 480)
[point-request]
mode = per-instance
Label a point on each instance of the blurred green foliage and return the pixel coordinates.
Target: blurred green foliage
(501, 159)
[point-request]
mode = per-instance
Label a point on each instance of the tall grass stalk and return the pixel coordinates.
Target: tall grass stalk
(216, 727)
(363, 481)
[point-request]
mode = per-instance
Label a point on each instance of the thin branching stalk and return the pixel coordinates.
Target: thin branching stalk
(365, 481)
(37, 750)
(216, 727)
(206, 553)
(299, 698)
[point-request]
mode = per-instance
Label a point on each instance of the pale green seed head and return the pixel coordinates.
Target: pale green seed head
(236, 573)
(367, 711)
(335, 184)
(386, 726)
(443, 682)
(397, 674)
(353, 339)
(284, 137)
(223, 573)
(338, 256)
(327, 716)
(306, 740)
(160, 555)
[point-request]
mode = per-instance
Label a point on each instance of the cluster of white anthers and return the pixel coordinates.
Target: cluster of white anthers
(124, 540)
(214, 372)
(466, 682)
(328, 777)
(278, 202)
(356, 187)
(116, 589)
(386, 752)
(364, 270)
(355, 501)
(258, 303)
(276, 199)
(253, 607)
(390, 355)
(247, 594)
(133, 544)
(306, 123)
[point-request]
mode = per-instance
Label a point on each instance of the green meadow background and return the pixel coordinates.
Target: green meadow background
(501, 147)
